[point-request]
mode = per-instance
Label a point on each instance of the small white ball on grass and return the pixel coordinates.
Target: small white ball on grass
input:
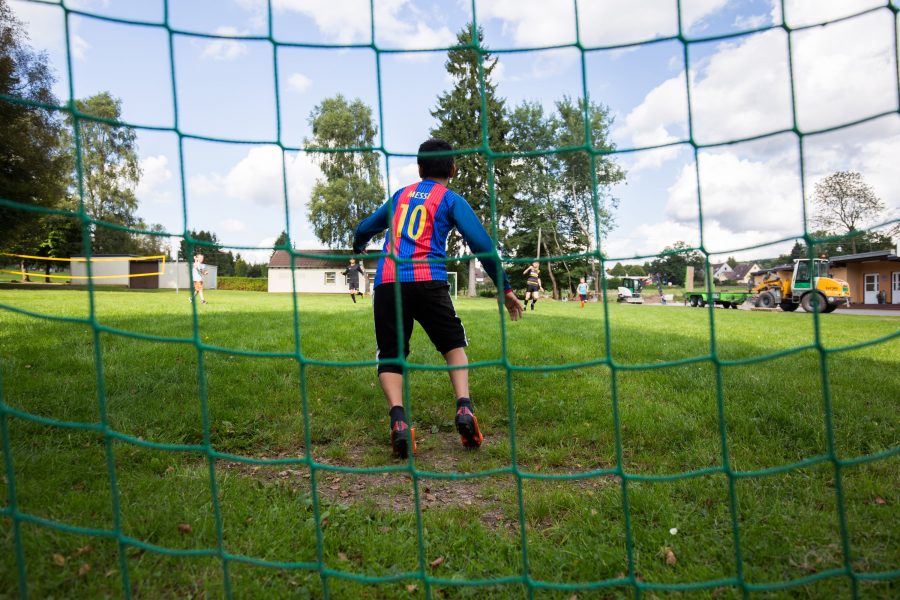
(673, 531)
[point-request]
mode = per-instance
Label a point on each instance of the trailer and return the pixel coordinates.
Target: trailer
(723, 299)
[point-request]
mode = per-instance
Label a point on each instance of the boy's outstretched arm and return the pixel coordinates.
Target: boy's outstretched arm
(370, 227)
(479, 241)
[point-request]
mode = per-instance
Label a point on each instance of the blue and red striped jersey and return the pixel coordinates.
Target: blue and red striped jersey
(423, 214)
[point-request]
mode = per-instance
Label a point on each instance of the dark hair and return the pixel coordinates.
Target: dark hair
(435, 166)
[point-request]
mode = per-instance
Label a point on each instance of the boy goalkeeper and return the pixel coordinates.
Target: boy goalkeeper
(418, 219)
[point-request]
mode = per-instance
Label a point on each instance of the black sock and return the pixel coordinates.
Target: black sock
(353, 297)
(397, 414)
(464, 403)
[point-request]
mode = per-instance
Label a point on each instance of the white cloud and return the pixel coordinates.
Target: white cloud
(299, 82)
(745, 22)
(602, 22)
(155, 177)
(842, 73)
(257, 178)
(649, 239)
(845, 71)
(404, 175)
(204, 184)
(225, 49)
(232, 225)
(262, 255)
(809, 12)
(751, 192)
(46, 28)
(740, 194)
(398, 23)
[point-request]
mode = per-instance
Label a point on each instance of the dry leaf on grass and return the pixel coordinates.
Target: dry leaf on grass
(879, 500)
(84, 570)
(412, 588)
(670, 556)
(59, 560)
(437, 562)
(342, 557)
(83, 550)
(185, 528)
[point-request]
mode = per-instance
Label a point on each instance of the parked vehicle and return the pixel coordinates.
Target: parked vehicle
(724, 299)
(808, 285)
(630, 290)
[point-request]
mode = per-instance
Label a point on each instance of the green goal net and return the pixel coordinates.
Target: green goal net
(425, 579)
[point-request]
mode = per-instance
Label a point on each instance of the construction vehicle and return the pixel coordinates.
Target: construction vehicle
(630, 290)
(808, 285)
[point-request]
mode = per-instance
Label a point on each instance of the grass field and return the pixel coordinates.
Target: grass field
(670, 422)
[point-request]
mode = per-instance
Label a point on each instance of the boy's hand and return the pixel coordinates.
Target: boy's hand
(513, 305)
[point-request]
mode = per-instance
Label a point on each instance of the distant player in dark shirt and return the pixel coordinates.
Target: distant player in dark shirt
(352, 273)
(533, 284)
(419, 218)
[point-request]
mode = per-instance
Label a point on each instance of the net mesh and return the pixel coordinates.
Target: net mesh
(220, 552)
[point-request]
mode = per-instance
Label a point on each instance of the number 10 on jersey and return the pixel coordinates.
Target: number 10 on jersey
(415, 224)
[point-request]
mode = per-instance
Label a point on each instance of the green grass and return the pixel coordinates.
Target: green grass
(772, 408)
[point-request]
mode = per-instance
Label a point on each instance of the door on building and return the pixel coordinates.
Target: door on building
(895, 287)
(870, 288)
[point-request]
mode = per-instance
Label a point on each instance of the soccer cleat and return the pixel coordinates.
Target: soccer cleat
(403, 438)
(467, 426)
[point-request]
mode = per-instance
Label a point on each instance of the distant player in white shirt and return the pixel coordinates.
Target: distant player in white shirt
(199, 271)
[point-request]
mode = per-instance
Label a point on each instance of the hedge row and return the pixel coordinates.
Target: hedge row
(244, 284)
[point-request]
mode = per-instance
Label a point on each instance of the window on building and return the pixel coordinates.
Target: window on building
(329, 277)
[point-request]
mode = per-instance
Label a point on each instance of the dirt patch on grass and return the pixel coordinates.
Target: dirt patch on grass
(493, 497)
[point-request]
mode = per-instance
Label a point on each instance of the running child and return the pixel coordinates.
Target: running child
(199, 270)
(582, 291)
(419, 217)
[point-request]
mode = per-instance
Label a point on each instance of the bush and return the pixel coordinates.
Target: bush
(244, 284)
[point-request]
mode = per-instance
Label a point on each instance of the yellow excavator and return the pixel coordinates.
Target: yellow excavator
(807, 285)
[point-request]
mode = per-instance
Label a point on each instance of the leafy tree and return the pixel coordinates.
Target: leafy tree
(34, 160)
(460, 119)
(540, 211)
(211, 250)
(240, 266)
(672, 265)
(281, 240)
(618, 270)
(844, 204)
(635, 270)
(257, 270)
(586, 180)
(109, 172)
(732, 262)
(352, 187)
(857, 241)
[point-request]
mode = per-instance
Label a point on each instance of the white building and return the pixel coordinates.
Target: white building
(312, 274)
(122, 270)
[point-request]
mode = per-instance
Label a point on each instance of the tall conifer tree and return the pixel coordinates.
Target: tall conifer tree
(460, 118)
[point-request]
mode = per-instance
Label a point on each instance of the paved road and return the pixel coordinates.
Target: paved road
(874, 312)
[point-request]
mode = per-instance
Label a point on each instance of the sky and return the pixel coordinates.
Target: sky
(751, 192)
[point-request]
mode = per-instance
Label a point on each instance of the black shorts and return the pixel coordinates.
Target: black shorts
(533, 287)
(583, 297)
(427, 302)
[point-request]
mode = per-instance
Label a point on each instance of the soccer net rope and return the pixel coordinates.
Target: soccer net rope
(631, 579)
